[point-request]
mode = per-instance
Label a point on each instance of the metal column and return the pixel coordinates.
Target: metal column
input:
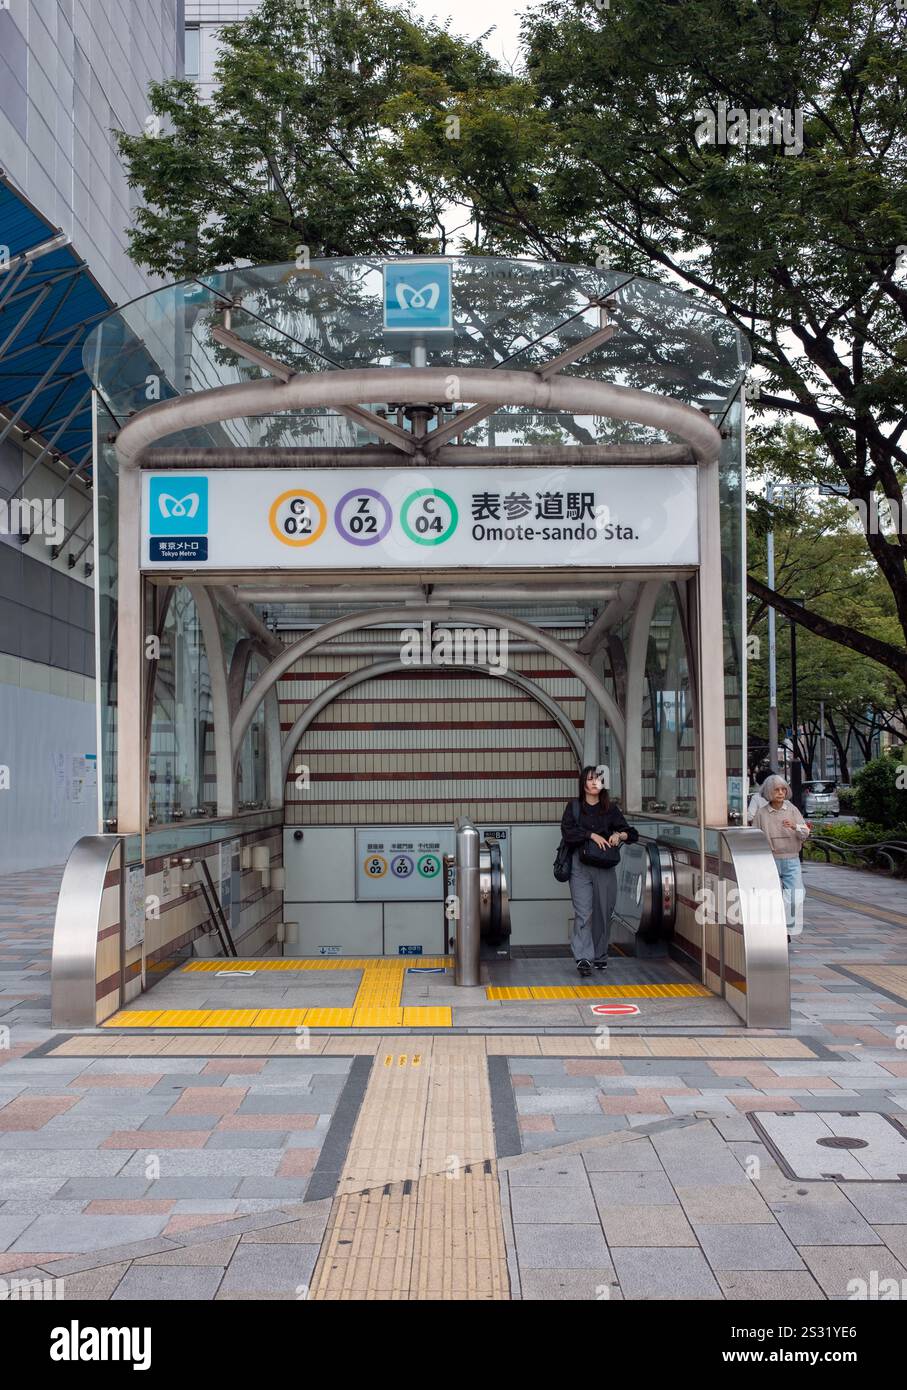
(466, 968)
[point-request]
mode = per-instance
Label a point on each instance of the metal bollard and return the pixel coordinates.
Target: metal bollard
(466, 967)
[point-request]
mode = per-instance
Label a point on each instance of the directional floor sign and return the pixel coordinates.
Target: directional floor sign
(620, 1010)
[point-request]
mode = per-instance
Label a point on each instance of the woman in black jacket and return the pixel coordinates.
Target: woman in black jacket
(593, 890)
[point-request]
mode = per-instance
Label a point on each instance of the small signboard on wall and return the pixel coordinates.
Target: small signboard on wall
(134, 926)
(406, 865)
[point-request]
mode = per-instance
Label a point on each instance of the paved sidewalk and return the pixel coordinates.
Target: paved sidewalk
(645, 1165)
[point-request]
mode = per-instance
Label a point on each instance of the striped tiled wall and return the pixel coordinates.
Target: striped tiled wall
(425, 745)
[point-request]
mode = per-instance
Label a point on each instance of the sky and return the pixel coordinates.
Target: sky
(472, 17)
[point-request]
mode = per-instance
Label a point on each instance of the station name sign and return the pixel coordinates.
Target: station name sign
(351, 518)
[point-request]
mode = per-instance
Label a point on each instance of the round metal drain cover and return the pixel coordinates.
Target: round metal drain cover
(839, 1141)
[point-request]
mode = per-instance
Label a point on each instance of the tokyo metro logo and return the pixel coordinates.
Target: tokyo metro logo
(178, 506)
(417, 296)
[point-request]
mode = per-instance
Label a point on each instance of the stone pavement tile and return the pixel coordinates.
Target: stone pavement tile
(123, 1207)
(251, 1139)
(584, 1066)
(11, 1227)
(205, 1188)
(60, 1163)
(233, 1066)
(567, 1171)
(197, 1163)
(308, 1230)
(281, 1120)
(705, 1104)
(182, 1222)
(516, 1080)
(561, 1205)
(156, 1139)
(588, 1126)
(776, 1285)
(280, 1103)
(697, 1154)
(210, 1252)
(171, 1121)
(168, 1283)
(817, 1214)
(746, 1101)
(504, 1046)
(535, 1124)
(210, 1100)
(95, 1285)
(636, 1157)
(558, 1285)
(895, 1237)
(125, 1082)
(835, 1266)
(278, 1270)
(879, 1202)
(24, 1112)
(289, 1189)
(646, 1226)
(561, 1246)
(664, 1274)
(44, 1140)
(632, 1189)
(736, 1126)
(747, 1246)
(81, 1234)
(10, 1264)
(554, 1102)
(297, 1163)
(633, 1105)
(682, 1047)
(126, 1189)
(305, 1138)
(719, 1206)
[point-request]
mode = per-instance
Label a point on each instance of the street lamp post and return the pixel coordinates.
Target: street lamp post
(796, 767)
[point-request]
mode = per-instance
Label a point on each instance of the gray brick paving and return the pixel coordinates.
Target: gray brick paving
(673, 1214)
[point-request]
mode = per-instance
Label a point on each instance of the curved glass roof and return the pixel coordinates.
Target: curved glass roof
(329, 315)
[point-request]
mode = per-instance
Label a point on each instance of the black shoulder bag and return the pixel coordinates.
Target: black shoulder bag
(564, 856)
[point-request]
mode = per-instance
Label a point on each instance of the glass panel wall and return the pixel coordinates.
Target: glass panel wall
(181, 768)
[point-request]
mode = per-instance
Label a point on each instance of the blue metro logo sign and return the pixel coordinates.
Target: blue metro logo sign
(417, 296)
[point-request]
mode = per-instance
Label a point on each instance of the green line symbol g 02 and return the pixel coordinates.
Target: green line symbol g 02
(428, 526)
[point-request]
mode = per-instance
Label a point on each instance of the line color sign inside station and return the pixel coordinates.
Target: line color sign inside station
(245, 518)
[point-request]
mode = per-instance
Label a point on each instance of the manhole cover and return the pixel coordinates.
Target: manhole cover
(868, 1146)
(840, 1141)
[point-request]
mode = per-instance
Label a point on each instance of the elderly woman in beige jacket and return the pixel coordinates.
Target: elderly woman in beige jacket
(785, 829)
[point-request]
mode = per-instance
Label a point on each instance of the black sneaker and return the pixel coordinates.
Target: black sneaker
(584, 967)
(601, 964)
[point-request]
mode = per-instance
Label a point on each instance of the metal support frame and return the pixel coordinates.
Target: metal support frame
(74, 959)
(477, 617)
(220, 700)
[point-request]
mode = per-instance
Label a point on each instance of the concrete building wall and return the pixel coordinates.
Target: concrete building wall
(71, 72)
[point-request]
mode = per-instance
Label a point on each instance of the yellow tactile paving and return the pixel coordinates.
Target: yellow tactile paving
(782, 1047)
(231, 1018)
(427, 1016)
(542, 992)
(329, 1018)
(377, 1016)
(417, 1215)
(279, 1018)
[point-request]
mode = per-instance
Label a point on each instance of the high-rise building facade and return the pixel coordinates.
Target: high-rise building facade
(72, 72)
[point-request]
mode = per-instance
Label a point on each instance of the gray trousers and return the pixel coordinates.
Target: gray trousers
(594, 893)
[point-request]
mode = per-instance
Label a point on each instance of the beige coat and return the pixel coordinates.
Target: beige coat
(785, 843)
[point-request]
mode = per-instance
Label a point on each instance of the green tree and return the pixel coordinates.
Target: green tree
(292, 152)
(603, 152)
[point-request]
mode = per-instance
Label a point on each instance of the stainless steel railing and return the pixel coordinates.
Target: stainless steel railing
(77, 926)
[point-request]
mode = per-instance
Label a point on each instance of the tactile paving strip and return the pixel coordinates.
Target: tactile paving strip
(418, 1212)
(542, 992)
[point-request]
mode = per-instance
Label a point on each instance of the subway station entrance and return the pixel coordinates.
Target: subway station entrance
(384, 548)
